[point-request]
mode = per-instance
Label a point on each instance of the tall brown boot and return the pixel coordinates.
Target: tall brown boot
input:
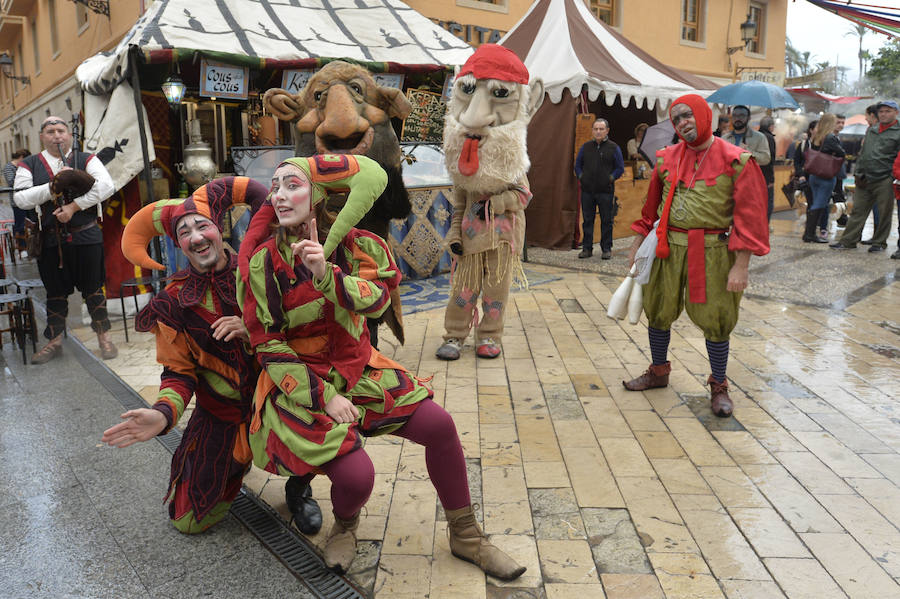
(655, 376)
(467, 542)
(340, 546)
(108, 349)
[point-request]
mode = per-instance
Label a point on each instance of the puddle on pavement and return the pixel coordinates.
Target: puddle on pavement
(570, 306)
(888, 351)
(784, 384)
(699, 405)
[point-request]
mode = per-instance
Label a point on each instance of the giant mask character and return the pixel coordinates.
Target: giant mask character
(485, 149)
(341, 110)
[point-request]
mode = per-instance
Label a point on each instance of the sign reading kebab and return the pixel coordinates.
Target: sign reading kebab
(223, 81)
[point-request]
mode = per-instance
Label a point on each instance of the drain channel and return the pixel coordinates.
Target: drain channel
(291, 549)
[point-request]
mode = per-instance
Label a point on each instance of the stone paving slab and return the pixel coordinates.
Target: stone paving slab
(606, 493)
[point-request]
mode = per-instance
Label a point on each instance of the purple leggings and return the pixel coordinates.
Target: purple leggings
(353, 475)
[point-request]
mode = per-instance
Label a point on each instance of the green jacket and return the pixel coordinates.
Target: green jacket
(878, 152)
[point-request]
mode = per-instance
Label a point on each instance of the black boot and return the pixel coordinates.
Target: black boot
(305, 509)
(811, 234)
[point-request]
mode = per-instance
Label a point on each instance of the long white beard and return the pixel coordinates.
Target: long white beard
(502, 155)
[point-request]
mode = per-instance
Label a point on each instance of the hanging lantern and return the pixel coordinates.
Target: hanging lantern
(173, 88)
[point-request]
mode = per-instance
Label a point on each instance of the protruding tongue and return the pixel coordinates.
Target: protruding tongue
(468, 158)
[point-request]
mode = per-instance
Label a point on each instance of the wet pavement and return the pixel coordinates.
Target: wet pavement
(599, 491)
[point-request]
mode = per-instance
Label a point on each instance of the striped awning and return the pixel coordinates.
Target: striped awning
(565, 45)
(387, 34)
(882, 19)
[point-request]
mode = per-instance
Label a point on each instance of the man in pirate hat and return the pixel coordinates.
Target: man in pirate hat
(200, 341)
(710, 199)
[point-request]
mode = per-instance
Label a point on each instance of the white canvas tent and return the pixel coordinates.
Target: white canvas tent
(385, 35)
(562, 43)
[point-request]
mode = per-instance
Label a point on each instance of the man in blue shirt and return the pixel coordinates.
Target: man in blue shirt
(598, 164)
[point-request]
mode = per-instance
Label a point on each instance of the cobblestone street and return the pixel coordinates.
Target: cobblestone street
(603, 492)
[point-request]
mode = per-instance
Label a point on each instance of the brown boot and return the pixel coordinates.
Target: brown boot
(340, 546)
(719, 401)
(108, 349)
(655, 376)
(49, 351)
(467, 542)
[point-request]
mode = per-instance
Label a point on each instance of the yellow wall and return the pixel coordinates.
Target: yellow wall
(654, 25)
(53, 81)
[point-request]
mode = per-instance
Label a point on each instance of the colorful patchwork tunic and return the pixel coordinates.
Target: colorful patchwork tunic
(213, 456)
(312, 342)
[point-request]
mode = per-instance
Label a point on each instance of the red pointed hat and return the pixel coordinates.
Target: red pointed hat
(491, 61)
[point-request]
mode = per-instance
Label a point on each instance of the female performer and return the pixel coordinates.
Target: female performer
(323, 387)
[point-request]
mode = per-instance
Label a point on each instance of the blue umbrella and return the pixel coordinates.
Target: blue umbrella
(753, 93)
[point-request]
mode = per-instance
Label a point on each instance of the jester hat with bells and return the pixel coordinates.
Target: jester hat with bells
(160, 218)
(362, 176)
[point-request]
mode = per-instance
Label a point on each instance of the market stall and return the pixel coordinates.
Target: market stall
(226, 57)
(586, 66)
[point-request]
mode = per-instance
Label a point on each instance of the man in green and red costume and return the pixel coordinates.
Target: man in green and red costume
(710, 199)
(200, 341)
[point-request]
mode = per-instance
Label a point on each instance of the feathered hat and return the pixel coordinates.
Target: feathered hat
(160, 218)
(362, 176)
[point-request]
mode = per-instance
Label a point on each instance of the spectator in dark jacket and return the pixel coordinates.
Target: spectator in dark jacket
(767, 128)
(598, 164)
(19, 215)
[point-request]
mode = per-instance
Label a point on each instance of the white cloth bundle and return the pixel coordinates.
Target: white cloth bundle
(645, 255)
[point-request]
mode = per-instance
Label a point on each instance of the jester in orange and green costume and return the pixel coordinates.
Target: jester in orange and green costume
(200, 343)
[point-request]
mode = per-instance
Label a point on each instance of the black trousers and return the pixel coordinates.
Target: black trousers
(82, 268)
(590, 204)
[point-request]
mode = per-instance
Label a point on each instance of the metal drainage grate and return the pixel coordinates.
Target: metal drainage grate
(266, 524)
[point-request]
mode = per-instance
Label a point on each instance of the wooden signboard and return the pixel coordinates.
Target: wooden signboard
(426, 121)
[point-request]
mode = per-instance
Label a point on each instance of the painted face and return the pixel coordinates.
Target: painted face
(55, 133)
(600, 130)
(684, 122)
(201, 241)
(291, 196)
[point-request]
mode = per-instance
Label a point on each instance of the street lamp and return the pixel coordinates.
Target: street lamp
(173, 88)
(6, 65)
(748, 34)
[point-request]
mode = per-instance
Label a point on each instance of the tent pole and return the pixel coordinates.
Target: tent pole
(145, 153)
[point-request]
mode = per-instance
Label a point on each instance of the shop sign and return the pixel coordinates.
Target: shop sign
(223, 81)
(294, 81)
(773, 77)
(394, 80)
(472, 34)
(426, 121)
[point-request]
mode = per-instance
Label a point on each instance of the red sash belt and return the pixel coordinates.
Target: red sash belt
(696, 260)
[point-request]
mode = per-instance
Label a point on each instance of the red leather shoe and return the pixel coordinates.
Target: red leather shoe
(655, 376)
(721, 404)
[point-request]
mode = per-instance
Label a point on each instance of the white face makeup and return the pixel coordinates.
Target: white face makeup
(201, 241)
(291, 196)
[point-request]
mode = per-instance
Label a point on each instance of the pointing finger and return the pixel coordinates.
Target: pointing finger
(313, 232)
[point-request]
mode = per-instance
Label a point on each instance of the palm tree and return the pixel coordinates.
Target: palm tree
(859, 31)
(791, 58)
(804, 63)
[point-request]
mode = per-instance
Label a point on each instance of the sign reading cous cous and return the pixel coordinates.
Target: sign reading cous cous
(426, 121)
(223, 81)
